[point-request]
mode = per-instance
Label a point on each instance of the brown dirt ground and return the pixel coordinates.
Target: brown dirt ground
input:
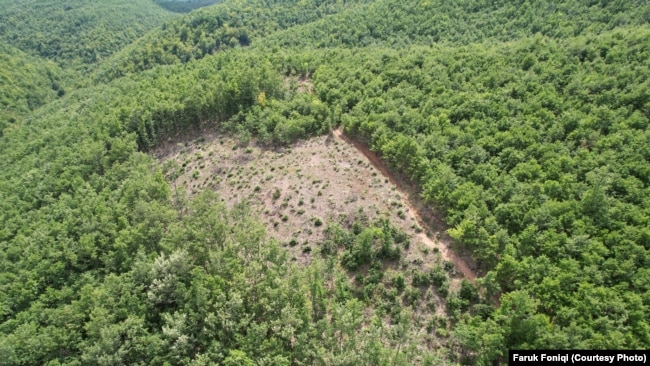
(329, 177)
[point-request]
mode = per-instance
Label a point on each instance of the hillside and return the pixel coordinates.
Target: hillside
(521, 129)
(48, 47)
(77, 33)
(214, 29)
(26, 82)
(461, 23)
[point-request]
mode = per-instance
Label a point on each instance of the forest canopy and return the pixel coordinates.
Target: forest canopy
(524, 125)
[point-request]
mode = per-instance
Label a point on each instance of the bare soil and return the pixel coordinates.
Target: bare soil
(328, 178)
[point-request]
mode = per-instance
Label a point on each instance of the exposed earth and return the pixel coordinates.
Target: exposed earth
(298, 190)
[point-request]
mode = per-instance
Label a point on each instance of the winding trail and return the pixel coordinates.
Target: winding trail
(417, 210)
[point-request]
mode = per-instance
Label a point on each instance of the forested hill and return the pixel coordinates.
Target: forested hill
(27, 82)
(48, 47)
(525, 126)
(77, 33)
(463, 22)
(236, 23)
(318, 24)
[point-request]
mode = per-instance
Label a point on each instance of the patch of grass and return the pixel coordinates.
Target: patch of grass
(317, 222)
(276, 194)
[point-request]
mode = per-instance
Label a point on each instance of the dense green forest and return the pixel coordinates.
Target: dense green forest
(27, 83)
(526, 125)
(77, 34)
(212, 29)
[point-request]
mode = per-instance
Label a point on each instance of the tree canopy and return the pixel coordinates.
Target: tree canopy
(525, 125)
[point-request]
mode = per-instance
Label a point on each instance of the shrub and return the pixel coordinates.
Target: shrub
(438, 277)
(398, 281)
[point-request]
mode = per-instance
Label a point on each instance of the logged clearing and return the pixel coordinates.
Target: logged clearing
(417, 211)
(299, 189)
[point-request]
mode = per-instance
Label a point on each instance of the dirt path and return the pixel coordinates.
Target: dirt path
(417, 210)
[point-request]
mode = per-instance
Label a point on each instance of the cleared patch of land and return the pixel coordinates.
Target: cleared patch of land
(298, 190)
